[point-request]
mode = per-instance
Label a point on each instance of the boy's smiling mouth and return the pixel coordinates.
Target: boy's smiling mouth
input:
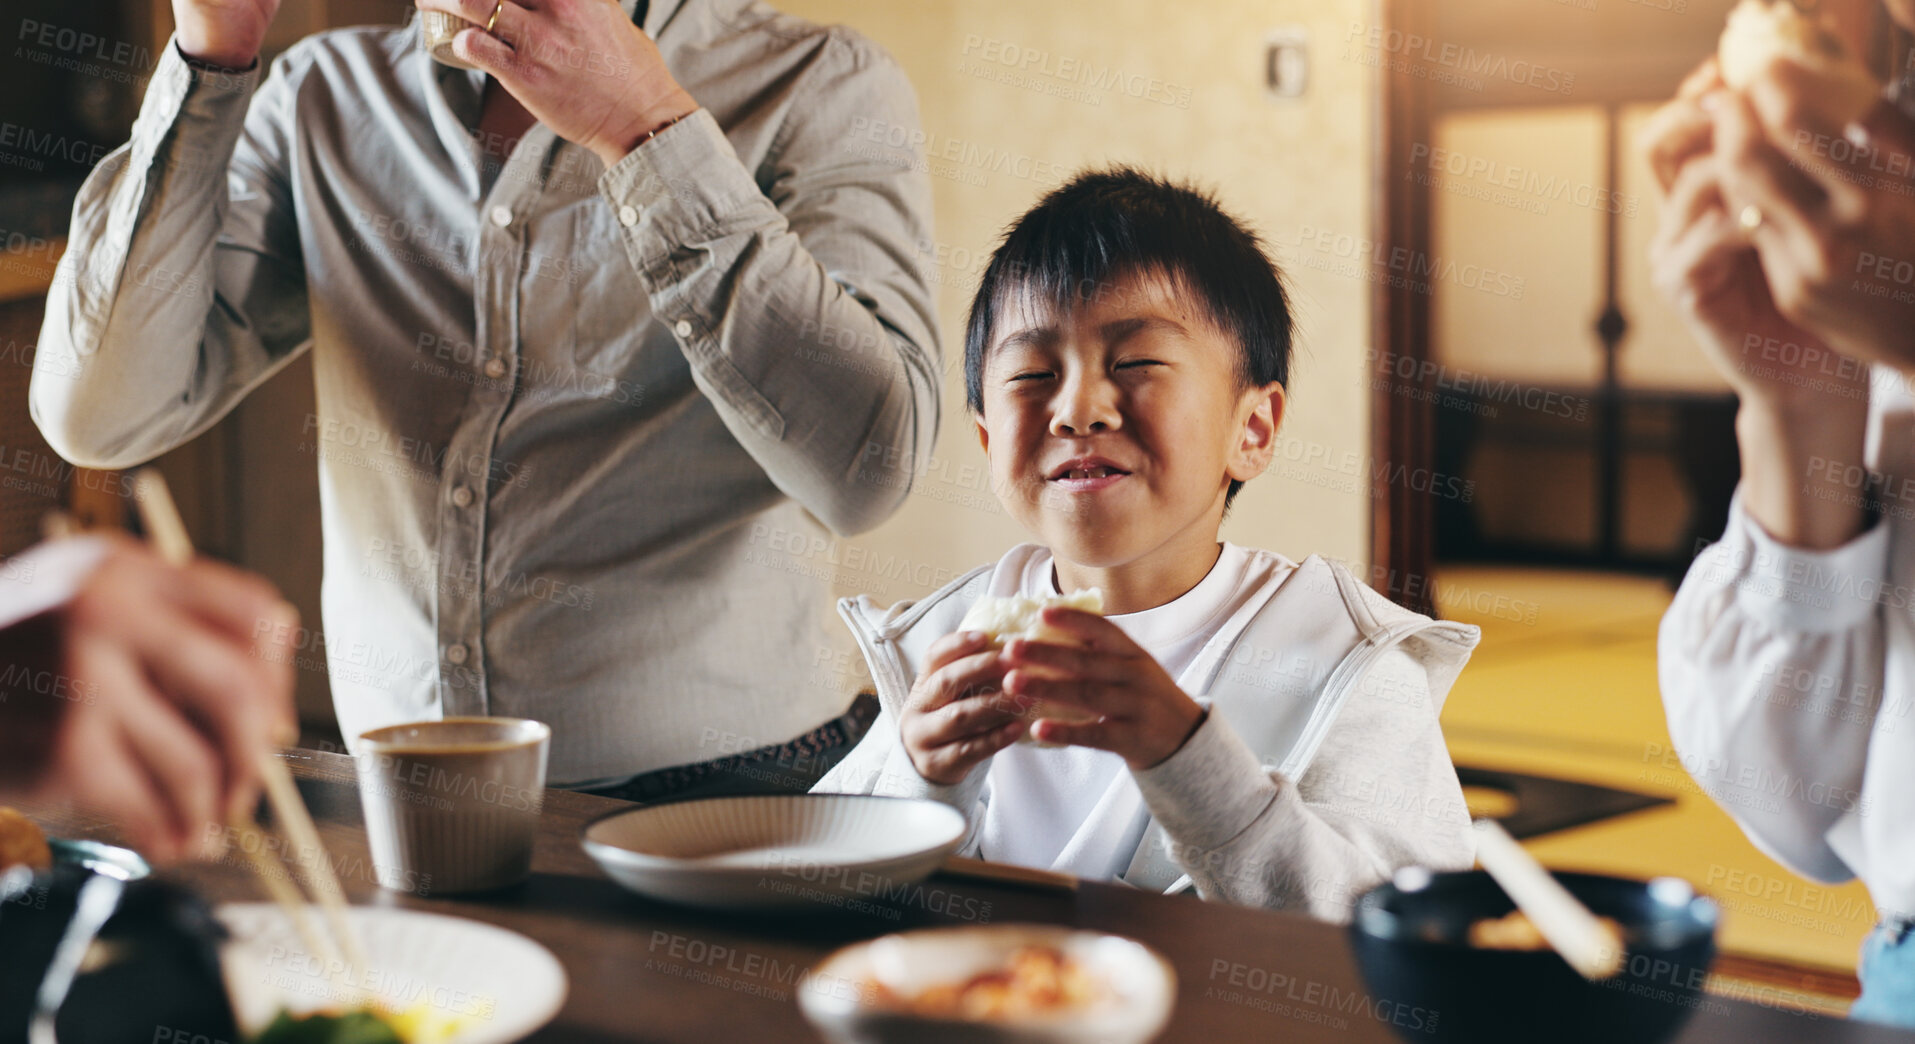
(1087, 474)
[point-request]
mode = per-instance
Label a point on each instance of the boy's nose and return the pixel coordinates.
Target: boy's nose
(1083, 408)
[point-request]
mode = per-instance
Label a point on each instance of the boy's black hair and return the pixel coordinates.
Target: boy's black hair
(1107, 225)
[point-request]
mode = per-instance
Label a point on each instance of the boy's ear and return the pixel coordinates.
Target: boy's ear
(983, 433)
(1261, 414)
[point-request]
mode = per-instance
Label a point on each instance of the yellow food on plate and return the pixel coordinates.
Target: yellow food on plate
(1515, 931)
(419, 1024)
(22, 842)
(1037, 981)
(1762, 31)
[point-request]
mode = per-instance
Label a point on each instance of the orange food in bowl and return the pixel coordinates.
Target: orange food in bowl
(22, 842)
(1038, 981)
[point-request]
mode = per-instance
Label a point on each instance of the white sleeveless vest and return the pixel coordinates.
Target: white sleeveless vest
(1281, 682)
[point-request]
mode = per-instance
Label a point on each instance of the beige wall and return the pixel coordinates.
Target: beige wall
(1287, 166)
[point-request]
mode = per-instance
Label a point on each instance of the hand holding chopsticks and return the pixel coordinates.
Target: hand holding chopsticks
(168, 534)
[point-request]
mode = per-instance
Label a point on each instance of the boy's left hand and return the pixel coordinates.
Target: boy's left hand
(1145, 717)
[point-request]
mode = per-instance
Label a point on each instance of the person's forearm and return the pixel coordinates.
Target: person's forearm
(811, 334)
(120, 376)
(1803, 477)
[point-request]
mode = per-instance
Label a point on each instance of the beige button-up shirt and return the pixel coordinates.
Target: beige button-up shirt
(559, 408)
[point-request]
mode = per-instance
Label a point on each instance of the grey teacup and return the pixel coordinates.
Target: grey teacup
(453, 805)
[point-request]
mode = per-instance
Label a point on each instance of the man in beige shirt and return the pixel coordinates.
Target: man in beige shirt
(584, 325)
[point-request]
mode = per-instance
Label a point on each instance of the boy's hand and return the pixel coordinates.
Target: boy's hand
(1145, 717)
(956, 716)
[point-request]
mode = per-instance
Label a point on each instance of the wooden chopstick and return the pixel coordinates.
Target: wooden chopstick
(1589, 946)
(283, 892)
(167, 531)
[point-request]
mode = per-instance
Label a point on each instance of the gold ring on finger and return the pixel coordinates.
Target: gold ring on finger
(493, 22)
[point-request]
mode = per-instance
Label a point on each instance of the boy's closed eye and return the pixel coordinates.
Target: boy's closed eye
(1023, 376)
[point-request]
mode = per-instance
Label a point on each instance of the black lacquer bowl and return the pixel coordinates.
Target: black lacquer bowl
(1410, 937)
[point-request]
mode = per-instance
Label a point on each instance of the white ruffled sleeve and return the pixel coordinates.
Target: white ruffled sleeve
(1771, 662)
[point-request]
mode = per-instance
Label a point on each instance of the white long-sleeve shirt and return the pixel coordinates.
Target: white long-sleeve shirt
(1379, 794)
(1786, 675)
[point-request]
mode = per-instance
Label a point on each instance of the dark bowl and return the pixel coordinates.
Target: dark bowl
(1410, 940)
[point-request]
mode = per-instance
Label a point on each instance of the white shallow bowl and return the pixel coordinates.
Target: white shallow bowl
(784, 850)
(837, 996)
(500, 985)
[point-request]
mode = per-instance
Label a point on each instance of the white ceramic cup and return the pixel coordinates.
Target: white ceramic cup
(439, 28)
(453, 805)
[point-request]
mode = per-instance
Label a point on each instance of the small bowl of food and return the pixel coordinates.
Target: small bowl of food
(995, 984)
(1453, 946)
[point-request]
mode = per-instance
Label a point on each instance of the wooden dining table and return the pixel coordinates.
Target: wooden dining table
(647, 971)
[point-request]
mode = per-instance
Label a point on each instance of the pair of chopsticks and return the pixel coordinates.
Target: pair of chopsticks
(1590, 946)
(340, 948)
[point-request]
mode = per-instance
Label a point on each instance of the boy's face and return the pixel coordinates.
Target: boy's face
(1114, 431)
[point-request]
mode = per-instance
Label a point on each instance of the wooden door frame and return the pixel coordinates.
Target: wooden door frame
(1402, 427)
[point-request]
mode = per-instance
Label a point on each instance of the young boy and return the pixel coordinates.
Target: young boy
(1263, 730)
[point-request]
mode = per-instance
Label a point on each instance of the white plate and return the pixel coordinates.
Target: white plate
(500, 985)
(786, 850)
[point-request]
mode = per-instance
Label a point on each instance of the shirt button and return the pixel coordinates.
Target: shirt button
(495, 368)
(462, 497)
(684, 328)
(502, 216)
(628, 216)
(455, 654)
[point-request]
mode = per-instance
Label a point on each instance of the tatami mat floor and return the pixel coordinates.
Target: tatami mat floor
(1564, 684)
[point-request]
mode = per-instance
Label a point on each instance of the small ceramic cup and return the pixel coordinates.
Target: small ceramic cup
(453, 805)
(439, 28)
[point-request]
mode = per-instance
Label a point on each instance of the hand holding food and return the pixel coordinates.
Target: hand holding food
(580, 66)
(1762, 32)
(955, 715)
(1137, 710)
(1816, 170)
(1007, 619)
(1716, 258)
(226, 33)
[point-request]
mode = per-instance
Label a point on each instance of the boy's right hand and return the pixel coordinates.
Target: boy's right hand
(956, 715)
(226, 33)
